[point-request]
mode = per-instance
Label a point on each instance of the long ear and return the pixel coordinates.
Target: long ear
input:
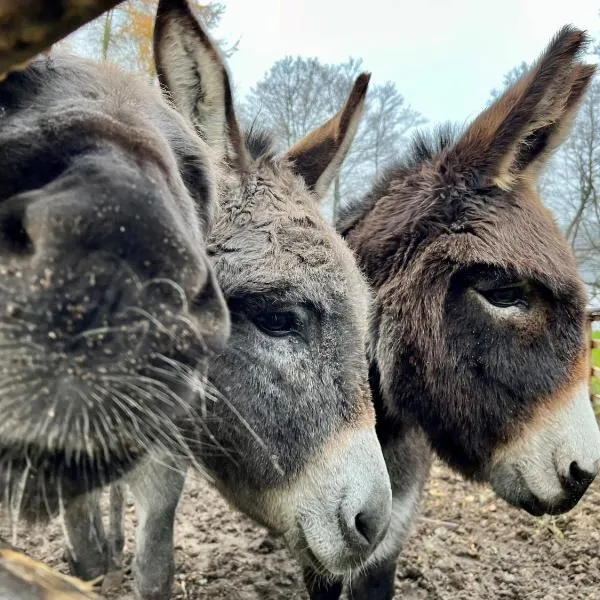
(515, 136)
(318, 156)
(191, 71)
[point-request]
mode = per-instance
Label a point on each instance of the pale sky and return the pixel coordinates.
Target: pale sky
(444, 56)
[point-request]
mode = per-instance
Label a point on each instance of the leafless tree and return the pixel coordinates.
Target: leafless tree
(571, 186)
(297, 94)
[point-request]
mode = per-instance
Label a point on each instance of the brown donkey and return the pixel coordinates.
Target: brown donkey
(477, 343)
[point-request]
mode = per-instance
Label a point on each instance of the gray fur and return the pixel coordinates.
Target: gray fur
(286, 427)
(107, 196)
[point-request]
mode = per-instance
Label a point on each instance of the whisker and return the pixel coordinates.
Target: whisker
(99, 331)
(175, 286)
(151, 318)
(17, 499)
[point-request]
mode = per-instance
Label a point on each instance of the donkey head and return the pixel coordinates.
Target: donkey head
(292, 425)
(109, 301)
(479, 333)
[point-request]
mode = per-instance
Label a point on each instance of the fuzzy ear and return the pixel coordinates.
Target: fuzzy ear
(535, 152)
(318, 156)
(515, 136)
(191, 71)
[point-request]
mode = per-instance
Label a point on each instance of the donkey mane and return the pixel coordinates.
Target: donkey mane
(424, 145)
(260, 144)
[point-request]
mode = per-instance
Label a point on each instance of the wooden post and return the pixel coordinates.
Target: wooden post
(594, 315)
(29, 27)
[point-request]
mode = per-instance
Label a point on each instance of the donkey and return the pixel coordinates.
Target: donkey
(477, 344)
(294, 371)
(107, 293)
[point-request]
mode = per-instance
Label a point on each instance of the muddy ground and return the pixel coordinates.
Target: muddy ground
(467, 545)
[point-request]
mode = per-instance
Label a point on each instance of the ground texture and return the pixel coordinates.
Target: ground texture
(467, 545)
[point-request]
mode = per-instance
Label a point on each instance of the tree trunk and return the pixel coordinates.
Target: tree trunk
(336, 199)
(28, 27)
(107, 34)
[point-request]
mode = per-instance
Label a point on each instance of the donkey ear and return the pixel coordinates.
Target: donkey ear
(191, 71)
(534, 153)
(318, 157)
(515, 136)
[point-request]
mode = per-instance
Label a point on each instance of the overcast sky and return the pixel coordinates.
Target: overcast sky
(444, 55)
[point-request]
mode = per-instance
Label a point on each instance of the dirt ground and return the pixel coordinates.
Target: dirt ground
(467, 545)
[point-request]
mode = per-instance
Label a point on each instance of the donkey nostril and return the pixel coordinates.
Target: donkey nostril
(580, 477)
(361, 525)
(14, 237)
(367, 529)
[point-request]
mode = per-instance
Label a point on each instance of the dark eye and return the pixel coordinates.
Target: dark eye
(277, 323)
(505, 297)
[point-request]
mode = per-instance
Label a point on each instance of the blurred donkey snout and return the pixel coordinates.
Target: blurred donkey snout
(549, 469)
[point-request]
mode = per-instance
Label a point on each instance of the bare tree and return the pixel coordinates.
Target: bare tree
(298, 94)
(388, 121)
(571, 187)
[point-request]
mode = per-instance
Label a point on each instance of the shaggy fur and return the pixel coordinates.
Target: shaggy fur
(289, 430)
(456, 220)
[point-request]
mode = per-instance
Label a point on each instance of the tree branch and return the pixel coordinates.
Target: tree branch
(28, 27)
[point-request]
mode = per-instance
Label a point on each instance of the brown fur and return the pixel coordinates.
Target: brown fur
(453, 211)
(478, 329)
(562, 396)
(500, 136)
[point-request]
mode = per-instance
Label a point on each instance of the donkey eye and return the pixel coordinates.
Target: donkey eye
(505, 297)
(277, 323)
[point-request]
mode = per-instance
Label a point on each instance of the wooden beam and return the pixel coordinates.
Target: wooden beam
(22, 577)
(28, 27)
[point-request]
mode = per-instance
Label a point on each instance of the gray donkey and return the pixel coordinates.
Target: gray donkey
(110, 307)
(106, 199)
(289, 436)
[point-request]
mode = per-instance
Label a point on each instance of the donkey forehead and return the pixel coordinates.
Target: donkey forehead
(65, 82)
(65, 101)
(280, 243)
(507, 229)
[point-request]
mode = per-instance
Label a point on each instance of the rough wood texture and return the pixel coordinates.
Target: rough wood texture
(28, 27)
(22, 578)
